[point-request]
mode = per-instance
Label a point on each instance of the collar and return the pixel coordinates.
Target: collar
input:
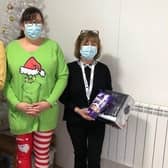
(87, 65)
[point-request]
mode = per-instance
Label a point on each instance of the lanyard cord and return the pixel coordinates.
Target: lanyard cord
(88, 88)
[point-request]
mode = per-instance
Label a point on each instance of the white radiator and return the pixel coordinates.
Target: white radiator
(144, 142)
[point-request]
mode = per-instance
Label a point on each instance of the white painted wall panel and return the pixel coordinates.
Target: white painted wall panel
(140, 140)
(165, 159)
(113, 144)
(131, 138)
(159, 142)
(121, 146)
(150, 141)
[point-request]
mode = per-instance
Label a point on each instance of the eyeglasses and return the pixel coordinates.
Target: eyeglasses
(33, 22)
(93, 31)
(29, 25)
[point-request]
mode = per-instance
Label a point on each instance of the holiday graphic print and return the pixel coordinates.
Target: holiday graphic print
(24, 148)
(31, 69)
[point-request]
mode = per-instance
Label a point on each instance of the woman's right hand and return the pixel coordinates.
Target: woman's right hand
(27, 108)
(83, 113)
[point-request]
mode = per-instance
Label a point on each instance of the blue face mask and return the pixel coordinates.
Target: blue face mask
(33, 31)
(88, 51)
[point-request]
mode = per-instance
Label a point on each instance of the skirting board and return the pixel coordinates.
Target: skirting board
(109, 164)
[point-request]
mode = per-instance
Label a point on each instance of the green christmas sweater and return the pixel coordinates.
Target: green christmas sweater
(35, 76)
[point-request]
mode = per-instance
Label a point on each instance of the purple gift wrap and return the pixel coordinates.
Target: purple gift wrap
(99, 104)
(118, 111)
(111, 107)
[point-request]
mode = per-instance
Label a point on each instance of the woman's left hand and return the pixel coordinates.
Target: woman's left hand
(41, 106)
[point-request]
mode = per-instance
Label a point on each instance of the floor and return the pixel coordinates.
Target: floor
(106, 164)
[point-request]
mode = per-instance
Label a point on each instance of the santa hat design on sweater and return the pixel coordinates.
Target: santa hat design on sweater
(32, 67)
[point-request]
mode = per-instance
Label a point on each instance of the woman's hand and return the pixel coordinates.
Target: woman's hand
(83, 113)
(27, 108)
(41, 106)
(33, 109)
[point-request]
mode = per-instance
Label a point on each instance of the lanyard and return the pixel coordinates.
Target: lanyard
(88, 88)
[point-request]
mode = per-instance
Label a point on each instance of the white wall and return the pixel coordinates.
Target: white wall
(143, 49)
(134, 36)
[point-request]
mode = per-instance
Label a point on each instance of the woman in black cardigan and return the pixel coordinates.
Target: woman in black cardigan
(86, 78)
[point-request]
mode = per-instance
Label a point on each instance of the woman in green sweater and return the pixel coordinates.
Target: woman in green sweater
(36, 77)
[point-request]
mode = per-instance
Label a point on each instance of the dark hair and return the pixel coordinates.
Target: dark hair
(29, 14)
(84, 34)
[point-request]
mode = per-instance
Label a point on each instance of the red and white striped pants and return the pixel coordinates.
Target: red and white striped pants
(37, 143)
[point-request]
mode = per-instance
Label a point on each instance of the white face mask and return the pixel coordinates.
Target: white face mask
(88, 52)
(33, 31)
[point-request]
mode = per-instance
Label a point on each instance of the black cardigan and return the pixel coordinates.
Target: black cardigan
(75, 95)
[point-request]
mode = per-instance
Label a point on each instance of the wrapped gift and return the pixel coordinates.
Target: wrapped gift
(111, 107)
(99, 104)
